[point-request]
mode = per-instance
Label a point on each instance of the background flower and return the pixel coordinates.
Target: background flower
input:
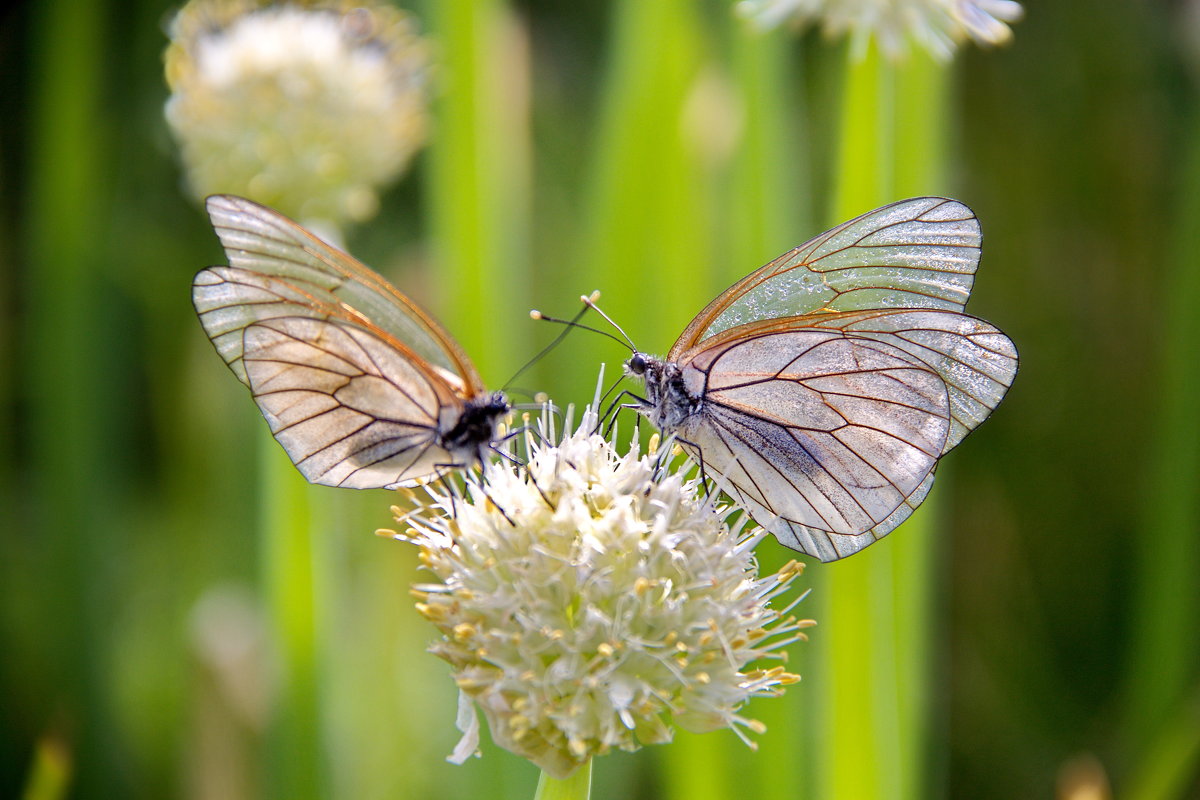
(938, 25)
(306, 108)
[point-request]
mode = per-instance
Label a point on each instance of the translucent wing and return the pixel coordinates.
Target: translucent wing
(975, 359)
(349, 409)
(918, 253)
(827, 439)
(278, 269)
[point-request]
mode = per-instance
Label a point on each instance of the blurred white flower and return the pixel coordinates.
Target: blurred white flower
(590, 600)
(937, 25)
(307, 108)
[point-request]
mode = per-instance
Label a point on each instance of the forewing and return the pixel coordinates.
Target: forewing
(917, 253)
(279, 269)
(348, 408)
(819, 430)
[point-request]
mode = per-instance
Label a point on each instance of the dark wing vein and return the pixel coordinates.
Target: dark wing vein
(348, 409)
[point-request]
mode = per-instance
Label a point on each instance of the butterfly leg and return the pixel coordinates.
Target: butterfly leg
(704, 480)
(480, 483)
(545, 497)
(499, 507)
(615, 407)
(443, 477)
(503, 451)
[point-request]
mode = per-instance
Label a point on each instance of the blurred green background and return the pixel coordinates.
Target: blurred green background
(157, 644)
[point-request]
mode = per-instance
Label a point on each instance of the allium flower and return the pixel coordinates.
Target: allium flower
(589, 600)
(319, 104)
(938, 25)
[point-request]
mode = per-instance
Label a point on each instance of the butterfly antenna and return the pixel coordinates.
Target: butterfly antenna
(571, 323)
(590, 302)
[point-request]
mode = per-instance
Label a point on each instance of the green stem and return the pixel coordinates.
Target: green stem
(287, 534)
(576, 787)
(72, 384)
(648, 226)
(770, 212)
(921, 113)
(50, 773)
(479, 190)
(1166, 600)
(479, 180)
(876, 612)
(1171, 756)
(649, 238)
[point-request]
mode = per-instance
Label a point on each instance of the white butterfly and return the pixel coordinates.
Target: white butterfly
(823, 388)
(361, 387)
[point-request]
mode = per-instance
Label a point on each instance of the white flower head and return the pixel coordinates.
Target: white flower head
(591, 601)
(308, 108)
(937, 25)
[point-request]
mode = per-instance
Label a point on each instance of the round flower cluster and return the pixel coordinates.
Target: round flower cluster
(938, 25)
(589, 600)
(324, 102)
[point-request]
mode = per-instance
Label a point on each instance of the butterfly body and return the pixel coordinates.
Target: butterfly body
(822, 389)
(359, 385)
(669, 404)
(476, 428)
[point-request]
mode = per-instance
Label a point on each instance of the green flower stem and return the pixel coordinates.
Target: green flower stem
(479, 194)
(770, 212)
(576, 787)
(875, 619)
(287, 539)
(479, 181)
(647, 237)
(1169, 762)
(1167, 600)
(648, 241)
(921, 116)
(50, 772)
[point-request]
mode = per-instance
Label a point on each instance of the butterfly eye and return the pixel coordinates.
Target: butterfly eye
(637, 364)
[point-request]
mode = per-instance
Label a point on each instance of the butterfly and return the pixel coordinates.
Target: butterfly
(361, 387)
(822, 388)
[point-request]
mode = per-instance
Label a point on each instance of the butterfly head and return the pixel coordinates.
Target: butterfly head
(476, 428)
(637, 365)
(668, 402)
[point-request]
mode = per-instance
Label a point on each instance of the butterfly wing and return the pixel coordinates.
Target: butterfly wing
(833, 378)
(349, 408)
(278, 269)
(820, 435)
(354, 379)
(917, 253)
(975, 359)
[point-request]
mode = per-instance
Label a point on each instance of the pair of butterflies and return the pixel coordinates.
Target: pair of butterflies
(821, 389)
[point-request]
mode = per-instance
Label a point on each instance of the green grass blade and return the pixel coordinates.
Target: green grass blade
(71, 490)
